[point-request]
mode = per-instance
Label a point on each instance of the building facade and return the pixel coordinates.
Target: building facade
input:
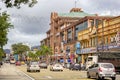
(74, 35)
(62, 35)
(104, 37)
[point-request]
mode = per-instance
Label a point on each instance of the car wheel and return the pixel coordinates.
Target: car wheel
(38, 70)
(113, 78)
(88, 75)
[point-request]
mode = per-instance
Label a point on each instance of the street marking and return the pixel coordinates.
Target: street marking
(49, 77)
(28, 76)
(24, 74)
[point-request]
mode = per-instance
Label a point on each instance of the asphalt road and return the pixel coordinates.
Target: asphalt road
(46, 74)
(10, 72)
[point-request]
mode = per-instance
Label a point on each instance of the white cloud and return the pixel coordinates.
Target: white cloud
(16, 37)
(32, 23)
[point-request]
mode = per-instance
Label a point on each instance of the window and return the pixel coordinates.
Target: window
(107, 65)
(90, 58)
(96, 65)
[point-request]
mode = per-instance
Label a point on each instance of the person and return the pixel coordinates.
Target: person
(1, 63)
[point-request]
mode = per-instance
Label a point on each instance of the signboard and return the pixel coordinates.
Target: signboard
(78, 46)
(88, 50)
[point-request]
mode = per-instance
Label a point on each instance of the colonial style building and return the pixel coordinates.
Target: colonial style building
(63, 35)
(103, 37)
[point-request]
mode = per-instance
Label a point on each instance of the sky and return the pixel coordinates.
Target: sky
(31, 24)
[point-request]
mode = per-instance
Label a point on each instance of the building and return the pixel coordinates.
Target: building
(103, 37)
(63, 34)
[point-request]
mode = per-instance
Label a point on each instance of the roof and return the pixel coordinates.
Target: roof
(75, 14)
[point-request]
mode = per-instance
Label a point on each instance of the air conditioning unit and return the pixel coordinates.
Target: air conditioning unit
(113, 39)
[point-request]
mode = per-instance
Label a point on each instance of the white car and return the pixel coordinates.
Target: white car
(101, 71)
(33, 66)
(12, 61)
(56, 67)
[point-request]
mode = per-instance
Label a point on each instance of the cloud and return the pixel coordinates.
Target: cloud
(15, 36)
(31, 24)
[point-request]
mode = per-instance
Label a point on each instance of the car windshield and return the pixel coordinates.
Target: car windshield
(107, 65)
(34, 63)
(57, 65)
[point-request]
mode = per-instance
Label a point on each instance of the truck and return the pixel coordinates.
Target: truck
(108, 57)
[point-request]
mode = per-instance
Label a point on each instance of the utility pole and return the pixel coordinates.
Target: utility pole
(96, 21)
(102, 35)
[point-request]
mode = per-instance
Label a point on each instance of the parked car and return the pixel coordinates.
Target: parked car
(22, 63)
(75, 66)
(56, 67)
(33, 66)
(12, 61)
(101, 71)
(43, 65)
(17, 63)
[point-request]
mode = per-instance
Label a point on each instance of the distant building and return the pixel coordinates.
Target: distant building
(35, 48)
(7, 51)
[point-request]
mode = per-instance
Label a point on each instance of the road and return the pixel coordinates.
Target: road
(46, 74)
(10, 72)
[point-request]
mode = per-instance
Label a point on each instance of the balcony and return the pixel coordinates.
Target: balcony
(83, 37)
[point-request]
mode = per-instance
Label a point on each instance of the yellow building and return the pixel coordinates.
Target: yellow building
(103, 37)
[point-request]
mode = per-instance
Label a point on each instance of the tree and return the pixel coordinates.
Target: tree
(45, 51)
(1, 54)
(5, 25)
(20, 49)
(33, 56)
(18, 3)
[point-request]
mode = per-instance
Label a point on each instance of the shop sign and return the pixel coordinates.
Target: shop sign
(88, 50)
(110, 46)
(78, 46)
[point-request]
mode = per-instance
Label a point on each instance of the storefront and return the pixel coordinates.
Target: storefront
(87, 52)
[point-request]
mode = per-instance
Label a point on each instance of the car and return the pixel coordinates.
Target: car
(56, 67)
(17, 63)
(22, 63)
(75, 66)
(43, 65)
(101, 71)
(12, 61)
(33, 66)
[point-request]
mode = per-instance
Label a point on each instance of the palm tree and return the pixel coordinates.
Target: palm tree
(33, 56)
(45, 51)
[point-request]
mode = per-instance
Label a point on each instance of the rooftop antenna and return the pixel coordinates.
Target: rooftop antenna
(76, 3)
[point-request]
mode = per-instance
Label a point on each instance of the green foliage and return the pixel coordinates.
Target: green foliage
(33, 56)
(5, 25)
(1, 53)
(20, 48)
(45, 50)
(18, 3)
